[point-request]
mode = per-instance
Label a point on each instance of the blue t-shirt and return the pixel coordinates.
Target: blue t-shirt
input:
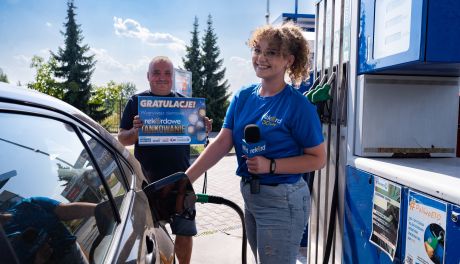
(35, 223)
(288, 123)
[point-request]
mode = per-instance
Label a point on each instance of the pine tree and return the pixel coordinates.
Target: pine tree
(76, 68)
(3, 76)
(214, 87)
(192, 62)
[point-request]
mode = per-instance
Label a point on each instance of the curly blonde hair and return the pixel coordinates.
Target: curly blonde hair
(290, 41)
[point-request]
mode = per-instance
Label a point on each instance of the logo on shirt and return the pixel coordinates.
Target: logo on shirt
(268, 120)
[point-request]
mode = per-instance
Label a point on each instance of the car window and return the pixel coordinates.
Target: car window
(126, 168)
(53, 206)
(109, 167)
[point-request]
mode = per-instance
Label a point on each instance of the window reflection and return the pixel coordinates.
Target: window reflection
(109, 167)
(53, 206)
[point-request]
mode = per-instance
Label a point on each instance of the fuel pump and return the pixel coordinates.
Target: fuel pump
(388, 96)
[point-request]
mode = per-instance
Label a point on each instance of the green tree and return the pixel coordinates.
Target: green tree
(106, 95)
(44, 81)
(192, 62)
(128, 89)
(114, 97)
(103, 100)
(76, 68)
(214, 86)
(3, 77)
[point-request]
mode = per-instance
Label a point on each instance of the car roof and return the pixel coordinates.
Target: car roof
(30, 96)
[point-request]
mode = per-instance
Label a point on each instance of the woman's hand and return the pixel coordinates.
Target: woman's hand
(258, 164)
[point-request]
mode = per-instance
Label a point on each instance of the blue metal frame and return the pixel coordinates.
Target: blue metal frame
(415, 53)
(305, 21)
(452, 236)
(359, 193)
(444, 31)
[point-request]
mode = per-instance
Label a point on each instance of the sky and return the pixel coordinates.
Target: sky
(125, 35)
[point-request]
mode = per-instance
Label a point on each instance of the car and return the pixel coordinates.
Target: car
(69, 191)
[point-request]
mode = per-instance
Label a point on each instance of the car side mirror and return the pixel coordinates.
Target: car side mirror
(171, 195)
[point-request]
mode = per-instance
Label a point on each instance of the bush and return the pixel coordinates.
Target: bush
(111, 123)
(195, 150)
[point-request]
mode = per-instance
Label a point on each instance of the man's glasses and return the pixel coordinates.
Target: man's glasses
(269, 54)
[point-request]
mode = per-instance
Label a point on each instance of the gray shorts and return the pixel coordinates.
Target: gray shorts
(184, 224)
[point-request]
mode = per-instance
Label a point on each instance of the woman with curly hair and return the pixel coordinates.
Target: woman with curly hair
(277, 213)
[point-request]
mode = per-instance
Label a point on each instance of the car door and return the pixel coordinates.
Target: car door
(140, 240)
(56, 204)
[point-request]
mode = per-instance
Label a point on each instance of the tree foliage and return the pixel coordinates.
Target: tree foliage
(128, 89)
(114, 97)
(75, 68)
(214, 86)
(44, 80)
(192, 62)
(3, 77)
(207, 72)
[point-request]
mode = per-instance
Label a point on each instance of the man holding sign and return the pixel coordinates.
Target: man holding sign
(159, 161)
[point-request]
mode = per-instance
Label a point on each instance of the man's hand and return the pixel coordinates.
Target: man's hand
(208, 124)
(129, 137)
(137, 123)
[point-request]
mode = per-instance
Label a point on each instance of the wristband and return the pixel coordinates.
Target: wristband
(272, 166)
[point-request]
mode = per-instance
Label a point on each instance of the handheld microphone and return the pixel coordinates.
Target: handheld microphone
(253, 146)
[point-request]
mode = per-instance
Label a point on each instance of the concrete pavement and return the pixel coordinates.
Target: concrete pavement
(219, 238)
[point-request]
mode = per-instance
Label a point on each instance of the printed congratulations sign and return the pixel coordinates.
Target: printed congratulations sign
(171, 120)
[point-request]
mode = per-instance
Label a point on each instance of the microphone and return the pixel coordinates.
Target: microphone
(252, 145)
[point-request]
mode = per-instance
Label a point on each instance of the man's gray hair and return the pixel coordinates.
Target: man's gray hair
(158, 59)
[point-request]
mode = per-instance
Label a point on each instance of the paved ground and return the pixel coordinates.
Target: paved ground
(219, 238)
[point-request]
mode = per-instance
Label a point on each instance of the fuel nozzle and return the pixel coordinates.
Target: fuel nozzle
(315, 88)
(323, 93)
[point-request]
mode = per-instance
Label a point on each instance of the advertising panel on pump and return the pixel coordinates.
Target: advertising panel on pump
(385, 216)
(426, 229)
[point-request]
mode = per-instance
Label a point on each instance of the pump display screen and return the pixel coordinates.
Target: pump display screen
(392, 27)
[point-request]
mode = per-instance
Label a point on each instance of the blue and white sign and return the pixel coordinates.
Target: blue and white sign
(172, 120)
(183, 82)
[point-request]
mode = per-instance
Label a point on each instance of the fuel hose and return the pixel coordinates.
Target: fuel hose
(205, 198)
